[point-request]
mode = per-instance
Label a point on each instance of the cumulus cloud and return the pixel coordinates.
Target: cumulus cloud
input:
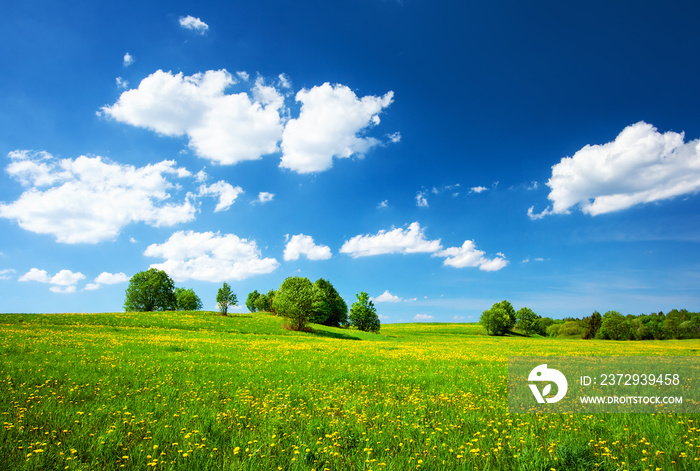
(422, 317)
(209, 256)
(195, 24)
(330, 124)
(640, 166)
(121, 83)
(411, 240)
(90, 199)
(128, 60)
(478, 189)
(226, 193)
(387, 297)
(106, 278)
(224, 128)
(301, 244)
(265, 197)
(468, 256)
(64, 281)
(421, 200)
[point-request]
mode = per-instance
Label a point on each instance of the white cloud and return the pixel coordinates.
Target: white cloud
(265, 197)
(224, 128)
(394, 137)
(640, 166)
(468, 256)
(225, 191)
(301, 244)
(209, 256)
(128, 60)
(35, 274)
(106, 278)
(422, 317)
(195, 24)
(387, 297)
(330, 124)
(383, 204)
(478, 189)
(411, 240)
(421, 200)
(121, 83)
(90, 199)
(6, 273)
(62, 282)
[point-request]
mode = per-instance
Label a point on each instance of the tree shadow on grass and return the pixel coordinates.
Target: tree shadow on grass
(333, 335)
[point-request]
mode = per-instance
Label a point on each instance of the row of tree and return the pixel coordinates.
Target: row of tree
(297, 298)
(154, 290)
(304, 303)
(502, 319)
(676, 324)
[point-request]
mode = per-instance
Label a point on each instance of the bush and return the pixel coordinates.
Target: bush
(295, 299)
(363, 314)
(150, 290)
(187, 300)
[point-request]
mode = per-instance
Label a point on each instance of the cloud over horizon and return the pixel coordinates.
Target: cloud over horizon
(68, 198)
(640, 166)
(209, 256)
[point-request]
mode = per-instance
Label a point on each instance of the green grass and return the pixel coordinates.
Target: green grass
(198, 391)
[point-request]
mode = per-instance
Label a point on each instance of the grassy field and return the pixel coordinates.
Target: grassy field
(197, 391)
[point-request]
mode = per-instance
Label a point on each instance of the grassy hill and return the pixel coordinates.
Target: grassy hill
(194, 390)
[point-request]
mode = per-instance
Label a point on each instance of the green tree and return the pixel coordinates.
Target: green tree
(500, 319)
(363, 314)
(526, 320)
(334, 310)
(270, 297)
(150, 290)
(591, 325)
(250, 301)
(225, 298)
(295, 300)
(262, 303)
(187, 300)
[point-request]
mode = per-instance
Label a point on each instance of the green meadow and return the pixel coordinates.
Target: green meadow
(198, 391)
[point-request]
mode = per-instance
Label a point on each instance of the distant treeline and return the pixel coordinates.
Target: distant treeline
(676, 324)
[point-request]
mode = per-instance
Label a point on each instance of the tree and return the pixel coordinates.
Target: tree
(498, 320)
(225, 298)
(334, 310)
(591, 325)
(270, 298)
(526, 320)
(262, 303)
(187, 300)
(295, 299)
(250, 301)
(150, 290)
(363, 315)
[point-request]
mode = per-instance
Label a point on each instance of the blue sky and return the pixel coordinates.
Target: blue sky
(440, 156)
